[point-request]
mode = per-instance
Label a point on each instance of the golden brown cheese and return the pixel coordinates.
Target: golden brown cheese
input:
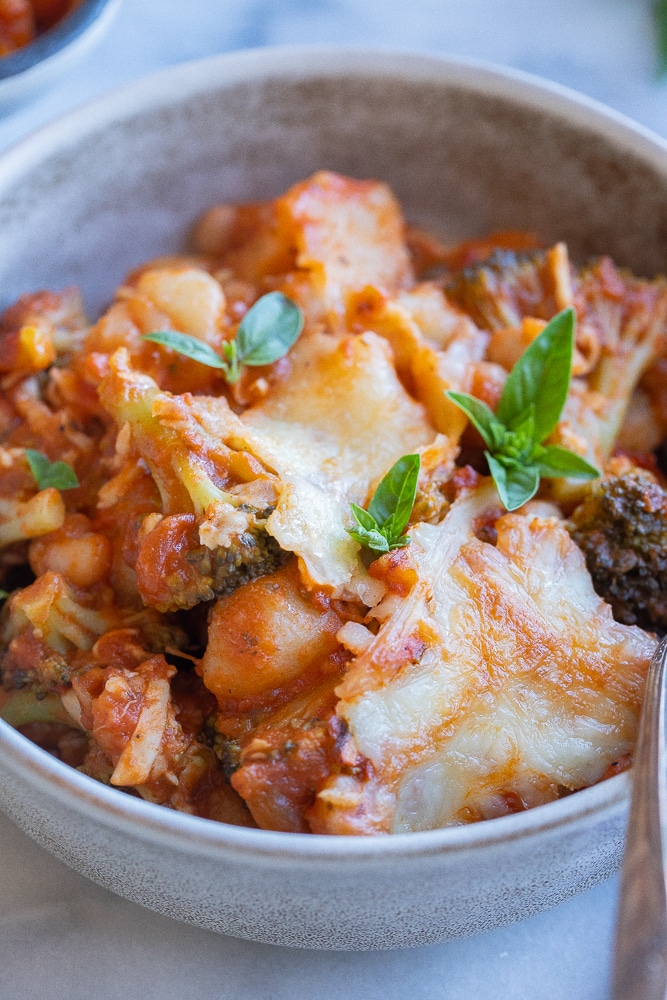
(329, 432)
(500, 676)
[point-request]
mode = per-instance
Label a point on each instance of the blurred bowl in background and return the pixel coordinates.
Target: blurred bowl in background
(33, 68)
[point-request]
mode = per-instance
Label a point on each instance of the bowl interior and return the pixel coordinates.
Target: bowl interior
(467, 150)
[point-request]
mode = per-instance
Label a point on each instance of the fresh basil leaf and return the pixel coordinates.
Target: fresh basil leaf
(660, 14)
(554, 462)
(268, 329)
(363, 518)
(541, 378)
(231, 354)
(481, 416)
(58, 475)
(188, 346)
(528, 411)
(381, 527)
(516, 484)
(266, 333)
(519, 444)
(523, 432)
(399, 541)
(394, 498)
(370, 539)
(4, 594)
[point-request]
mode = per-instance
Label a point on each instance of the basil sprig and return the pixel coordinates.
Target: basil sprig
(528, 411)
(59, 475)
(660, 17)
(381, 526)
(266, 333)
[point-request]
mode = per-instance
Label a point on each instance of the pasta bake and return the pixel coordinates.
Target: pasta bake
(276, 551)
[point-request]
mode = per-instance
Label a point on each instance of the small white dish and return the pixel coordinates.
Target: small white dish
(33, 68)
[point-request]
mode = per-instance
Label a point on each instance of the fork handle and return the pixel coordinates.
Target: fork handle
(640, 964)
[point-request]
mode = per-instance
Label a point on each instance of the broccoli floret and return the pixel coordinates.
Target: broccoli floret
(227, 751)
(23, 706)
(209, 537)
(176, 570)
(254, 554)
(43, 628)
(189, 468)
(63, 617)
(500, 290)
(621, 527)
(621, 330)
(629, 318)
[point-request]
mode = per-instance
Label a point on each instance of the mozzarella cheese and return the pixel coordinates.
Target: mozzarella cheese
(499, 681)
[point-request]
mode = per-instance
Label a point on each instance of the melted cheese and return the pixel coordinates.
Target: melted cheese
(330, 432)
(502, 674)
(436, 346)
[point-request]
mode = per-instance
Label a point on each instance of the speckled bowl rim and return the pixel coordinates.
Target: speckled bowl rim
(158, 824)
(60, 36)
(303, 62)
(203, 837)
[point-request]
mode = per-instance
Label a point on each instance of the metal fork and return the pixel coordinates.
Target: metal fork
(640, 965)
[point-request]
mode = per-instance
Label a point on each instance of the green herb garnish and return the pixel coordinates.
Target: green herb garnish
(57, 474)
(660, 18)
(381, 527)
(529, 410)
(266, 333)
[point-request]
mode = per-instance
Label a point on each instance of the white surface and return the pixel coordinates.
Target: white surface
(62, 937)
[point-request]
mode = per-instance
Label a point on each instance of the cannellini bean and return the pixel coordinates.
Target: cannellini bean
(191, 298)
(84, 561)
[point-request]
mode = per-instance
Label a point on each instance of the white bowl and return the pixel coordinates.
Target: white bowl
(33, 68)
(467, 149)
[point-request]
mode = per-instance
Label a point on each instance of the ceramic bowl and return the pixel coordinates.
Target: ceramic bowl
(33, 68)
(468, 149)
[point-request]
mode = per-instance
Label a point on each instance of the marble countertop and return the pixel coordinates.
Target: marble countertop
(63, 938)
